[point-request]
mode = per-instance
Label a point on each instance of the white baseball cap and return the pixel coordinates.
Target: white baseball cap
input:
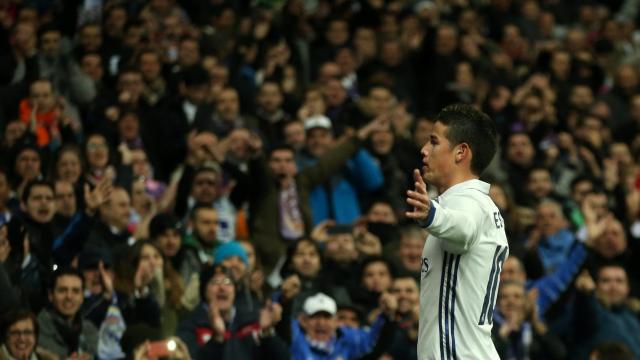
(320, 303)
(317, 121)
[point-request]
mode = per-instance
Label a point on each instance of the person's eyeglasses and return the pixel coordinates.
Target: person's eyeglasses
(18, 333)
(225, 281)
(205, 182)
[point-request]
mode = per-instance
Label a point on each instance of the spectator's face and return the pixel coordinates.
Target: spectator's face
(511, 299)
(28, 164)
(40, 204)
(376, 277)
(334, 93)
(282, 165)
(221, 292)
(270, 98)
(382, 142)
(549, 219)
(236, 266)
(50, 43)
(346, 61)
(613, 241)
(97, 152)
(348, 317)
(21, 339)
(14, 131)
(635, 108)
(91, 38)
(328, 71)
(41, 96)
(512, 270)
(169, 242)
(129, 126)
(228, 105)
(67, 295)
(581, 97)
(116, 211)
(65, 198)
(93, 279)
(92, 66)
(341, 248)
(539, 184)
(410, 252)
(620, 152)
(580, 190)
(406, 291)
(314, 102)
(446, 40)
(381, 212)
(294, 134)
(380, 100)
(188, 53)
(320, 326)
(337, 33)
(205, 225)
(205, 187)
(575, 40)
(612, 285)
(561, 64)
(150, 66)
(25, 38)
(319, 140)
(140, 164)
(132, 83)
(116, 21)
(627, 78)
(520, 151)
(306, 260)
(152, 256)
(364, 41)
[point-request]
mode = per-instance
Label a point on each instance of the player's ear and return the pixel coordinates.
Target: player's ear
(463, 151)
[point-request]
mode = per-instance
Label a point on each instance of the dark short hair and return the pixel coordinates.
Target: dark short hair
(613, 350)
(15, 315)
(198, 207)
(64, 271)
(377, 259)
(27, 190)
(281, 147)
(466, 124)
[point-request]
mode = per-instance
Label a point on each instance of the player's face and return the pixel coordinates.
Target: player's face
(438, 157)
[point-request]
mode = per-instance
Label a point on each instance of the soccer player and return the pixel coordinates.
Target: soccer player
(467, 245)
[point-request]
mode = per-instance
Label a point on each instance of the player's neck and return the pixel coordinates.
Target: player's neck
(457, 178)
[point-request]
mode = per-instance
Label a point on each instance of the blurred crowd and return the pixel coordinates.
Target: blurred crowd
(211, 179)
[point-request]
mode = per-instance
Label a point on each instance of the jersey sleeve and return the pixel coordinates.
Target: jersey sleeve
(456, 223)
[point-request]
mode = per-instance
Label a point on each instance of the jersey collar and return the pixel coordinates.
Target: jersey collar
(473, 184)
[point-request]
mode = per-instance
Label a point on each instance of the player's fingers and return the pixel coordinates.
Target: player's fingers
(414, 215)
(423, 198)
(417, 177)
(417, 204)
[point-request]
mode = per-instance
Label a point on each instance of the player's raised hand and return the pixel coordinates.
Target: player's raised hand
(418, 198)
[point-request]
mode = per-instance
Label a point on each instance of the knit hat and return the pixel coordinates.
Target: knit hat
(232, 248)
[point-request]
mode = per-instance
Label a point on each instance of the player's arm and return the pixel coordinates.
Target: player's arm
(456, 224)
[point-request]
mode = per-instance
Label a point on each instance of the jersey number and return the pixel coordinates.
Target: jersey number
(486, 315)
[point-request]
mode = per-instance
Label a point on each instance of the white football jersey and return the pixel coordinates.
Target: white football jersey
(461, 264)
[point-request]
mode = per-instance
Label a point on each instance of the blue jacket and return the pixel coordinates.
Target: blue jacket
(361, 174)
(554, 249)
(551, 286)
(348, 344)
